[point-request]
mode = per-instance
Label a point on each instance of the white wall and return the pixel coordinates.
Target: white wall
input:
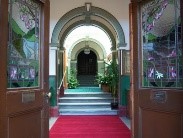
(52, 61)
(118, 8)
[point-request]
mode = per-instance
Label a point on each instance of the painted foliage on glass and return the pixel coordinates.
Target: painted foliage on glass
(23, 47)
(162, 44)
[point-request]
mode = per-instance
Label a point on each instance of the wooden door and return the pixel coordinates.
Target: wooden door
(24, 41)
(157, 71)
(87, 63)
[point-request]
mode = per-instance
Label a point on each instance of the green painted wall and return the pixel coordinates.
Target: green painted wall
(53, 90)
(125, 86)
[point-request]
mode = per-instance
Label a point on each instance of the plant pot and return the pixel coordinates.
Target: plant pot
(105, 87)
(114, 105)
(99, 85)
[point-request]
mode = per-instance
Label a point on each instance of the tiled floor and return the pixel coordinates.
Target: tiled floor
(127, 121)
(124, 119)
(52, 121)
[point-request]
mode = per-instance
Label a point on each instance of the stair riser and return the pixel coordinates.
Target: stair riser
(89, 113)
(87, 85)
(86, 80)
(83, 106)
(88, 95)
(85, 100)
(83, 90)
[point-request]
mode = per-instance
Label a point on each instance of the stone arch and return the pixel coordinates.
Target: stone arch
(96, 52)
(95, 11)
(82, 22)
(73, 54)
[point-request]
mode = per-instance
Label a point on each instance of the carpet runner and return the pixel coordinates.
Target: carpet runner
(89, 127)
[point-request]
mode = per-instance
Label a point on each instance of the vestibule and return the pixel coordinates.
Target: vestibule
(145, 39)
(97, 20)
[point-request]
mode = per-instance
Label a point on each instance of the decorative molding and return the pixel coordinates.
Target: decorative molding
(121, 46)
(54, 44)
(74, 25)
(62, 49)
(73, 61)
(64, 20)
(88, 6)
(100, 61)
(126, 62)
(112, 20)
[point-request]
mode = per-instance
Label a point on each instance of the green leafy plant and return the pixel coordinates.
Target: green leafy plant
(110, 77)
(113, 73)
(72, 81)
(102, 78)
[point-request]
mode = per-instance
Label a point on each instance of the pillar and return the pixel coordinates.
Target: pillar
(124, 82)
(53, 79)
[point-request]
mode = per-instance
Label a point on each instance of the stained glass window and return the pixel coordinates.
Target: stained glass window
(161, 44)
(24, 44)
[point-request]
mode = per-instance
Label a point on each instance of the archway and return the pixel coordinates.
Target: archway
(95, 16)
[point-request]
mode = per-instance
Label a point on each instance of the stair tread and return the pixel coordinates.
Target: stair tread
(86, 92)
(104, 103)
(85, 98)
(80, 92)
(98, 109)
(90, 113)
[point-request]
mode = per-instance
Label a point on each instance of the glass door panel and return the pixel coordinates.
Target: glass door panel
(24, 44)
(161, 44)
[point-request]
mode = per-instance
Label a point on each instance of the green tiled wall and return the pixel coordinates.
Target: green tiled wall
(125, 86)
(53, 90)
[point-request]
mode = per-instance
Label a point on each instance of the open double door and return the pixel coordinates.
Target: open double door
(156, 60)
(156, 32)
(24, 46)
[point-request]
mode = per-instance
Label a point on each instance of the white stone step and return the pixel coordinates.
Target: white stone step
(86, 103)
(101, 111)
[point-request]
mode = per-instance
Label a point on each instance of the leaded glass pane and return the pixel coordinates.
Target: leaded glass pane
(24, 44)
(161, 44)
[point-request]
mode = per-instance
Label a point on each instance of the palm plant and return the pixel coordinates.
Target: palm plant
(113, 72)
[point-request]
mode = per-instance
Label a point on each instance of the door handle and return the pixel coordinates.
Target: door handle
(48, 95)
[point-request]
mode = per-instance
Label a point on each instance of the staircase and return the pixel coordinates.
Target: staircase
(86, 101)
(86, 80)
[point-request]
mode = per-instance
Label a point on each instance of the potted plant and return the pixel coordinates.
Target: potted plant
(113, 72)
(104, 81)
(72, 81)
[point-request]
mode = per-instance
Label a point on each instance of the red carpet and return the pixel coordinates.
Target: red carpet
(89, 127)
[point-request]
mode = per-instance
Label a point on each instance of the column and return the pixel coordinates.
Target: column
(53, 79)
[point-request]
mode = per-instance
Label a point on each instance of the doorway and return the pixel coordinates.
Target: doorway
(87, 63)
